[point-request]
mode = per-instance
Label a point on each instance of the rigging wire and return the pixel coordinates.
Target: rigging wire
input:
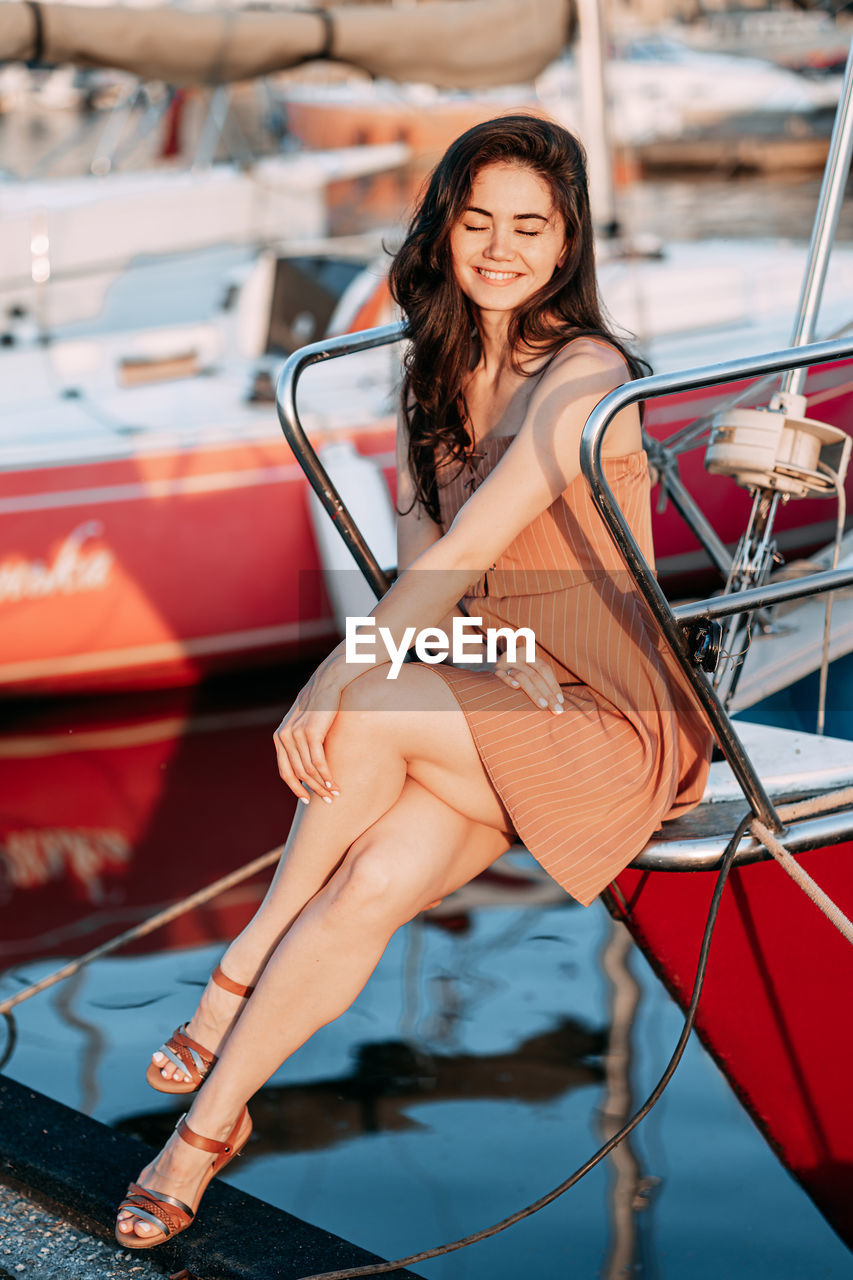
(841, 520)
(476, 1237)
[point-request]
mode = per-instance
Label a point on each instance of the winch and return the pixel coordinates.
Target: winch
(779, 448)
(777, 453)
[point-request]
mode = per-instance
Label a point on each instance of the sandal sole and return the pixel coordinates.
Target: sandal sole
(162, 1085)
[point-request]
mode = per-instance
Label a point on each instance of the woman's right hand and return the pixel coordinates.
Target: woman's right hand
(536, 679)
(299, 739)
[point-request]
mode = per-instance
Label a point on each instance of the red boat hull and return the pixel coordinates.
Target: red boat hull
(162, 569)
(775, 1008)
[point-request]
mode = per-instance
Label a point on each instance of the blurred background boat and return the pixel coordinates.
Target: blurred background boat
(138, 395)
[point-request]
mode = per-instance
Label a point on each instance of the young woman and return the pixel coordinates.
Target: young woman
(411, 786)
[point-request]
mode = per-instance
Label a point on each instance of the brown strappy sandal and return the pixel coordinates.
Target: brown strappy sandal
(169, 1215)
(188, 1055)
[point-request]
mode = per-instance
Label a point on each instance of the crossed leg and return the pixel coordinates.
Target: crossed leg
(417, 818)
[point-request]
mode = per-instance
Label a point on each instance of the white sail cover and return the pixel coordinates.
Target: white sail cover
(450, 43)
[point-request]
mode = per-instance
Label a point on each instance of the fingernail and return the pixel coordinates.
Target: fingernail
(336, 793)
(543, 702)
(329, 785)
(558, 710)
(158, 1057)
(303, 799)
(560, 698)
(327, 799)
(514, 684)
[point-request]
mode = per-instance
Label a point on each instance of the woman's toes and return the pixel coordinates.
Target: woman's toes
(129, 1225)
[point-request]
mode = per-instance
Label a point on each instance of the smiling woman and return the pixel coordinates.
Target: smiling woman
(579, 748)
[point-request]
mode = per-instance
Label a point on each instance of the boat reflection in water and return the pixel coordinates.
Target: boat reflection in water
(499, 1040)
(110, 811)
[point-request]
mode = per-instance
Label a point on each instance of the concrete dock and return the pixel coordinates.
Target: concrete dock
(38, 1244)
(63, 1175)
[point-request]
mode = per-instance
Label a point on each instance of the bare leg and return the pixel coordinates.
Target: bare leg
(419, 851)
(386, 731)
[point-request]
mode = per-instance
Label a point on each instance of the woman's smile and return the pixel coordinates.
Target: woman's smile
(498, 277)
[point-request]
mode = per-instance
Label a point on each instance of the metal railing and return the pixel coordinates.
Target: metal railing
(285, 403)
(671, 627)
(670, 621)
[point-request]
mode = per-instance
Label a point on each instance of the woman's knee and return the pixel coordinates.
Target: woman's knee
(415, 688)
(375, 879)
(373, 691)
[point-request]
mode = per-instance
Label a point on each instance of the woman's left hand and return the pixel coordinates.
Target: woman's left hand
(300, 737)
(536, 679)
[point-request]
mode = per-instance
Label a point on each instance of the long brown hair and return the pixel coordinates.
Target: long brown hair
(440, 318)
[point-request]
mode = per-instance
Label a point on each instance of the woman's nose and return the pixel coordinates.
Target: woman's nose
(500, 246)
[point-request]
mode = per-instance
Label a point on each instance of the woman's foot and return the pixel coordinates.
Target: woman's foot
(221, 1004)
(178, 1176)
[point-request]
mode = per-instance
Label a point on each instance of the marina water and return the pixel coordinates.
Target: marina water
(467, 1079)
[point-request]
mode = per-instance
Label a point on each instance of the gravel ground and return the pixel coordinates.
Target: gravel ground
(35, 1244)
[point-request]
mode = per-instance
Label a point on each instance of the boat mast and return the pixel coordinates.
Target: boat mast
(592, 66)
(825, 225)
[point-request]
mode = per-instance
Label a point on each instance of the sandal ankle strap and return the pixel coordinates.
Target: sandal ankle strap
(228, 984)
(211, 1145)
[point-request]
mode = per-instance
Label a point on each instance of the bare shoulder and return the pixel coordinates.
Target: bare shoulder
(588, 356)
(584, 370)
(580, 375)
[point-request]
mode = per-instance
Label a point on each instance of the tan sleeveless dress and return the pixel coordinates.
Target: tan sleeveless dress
(586, 789)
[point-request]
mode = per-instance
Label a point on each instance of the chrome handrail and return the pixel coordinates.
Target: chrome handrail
(705, 853)
(764, 597)
(592, 438)
(288, 415)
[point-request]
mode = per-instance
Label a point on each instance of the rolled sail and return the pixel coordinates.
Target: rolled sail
(449, 43)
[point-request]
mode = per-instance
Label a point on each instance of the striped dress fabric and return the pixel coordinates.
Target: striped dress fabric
(585, 789)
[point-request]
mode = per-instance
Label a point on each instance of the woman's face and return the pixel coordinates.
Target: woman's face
(510, 239)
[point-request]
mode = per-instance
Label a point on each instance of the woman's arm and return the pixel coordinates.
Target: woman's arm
(542, 461)
(539, 465)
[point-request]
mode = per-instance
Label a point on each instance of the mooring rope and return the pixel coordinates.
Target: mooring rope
(842, 799)
(789, 863)
(168, 914)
